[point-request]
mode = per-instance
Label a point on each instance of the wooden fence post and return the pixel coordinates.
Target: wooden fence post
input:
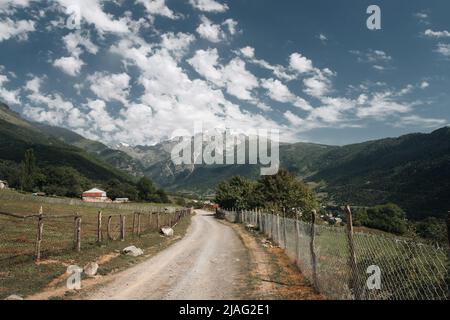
(354, 283)
(108, 229)
(278, 230)
(99, 227)
(157, 221)
(40, 230)
(77, 246)
(313, 252)
(122, 228)
(139, 225)
(134, 224)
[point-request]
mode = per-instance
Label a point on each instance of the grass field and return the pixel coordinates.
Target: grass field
(20, 274)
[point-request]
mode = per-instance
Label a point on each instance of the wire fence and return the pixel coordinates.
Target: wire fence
(346, 265)
(39, 235)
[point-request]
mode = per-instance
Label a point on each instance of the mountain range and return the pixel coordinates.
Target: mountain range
(412, 171)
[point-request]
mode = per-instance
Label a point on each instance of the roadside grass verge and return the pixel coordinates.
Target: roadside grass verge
(20, 274)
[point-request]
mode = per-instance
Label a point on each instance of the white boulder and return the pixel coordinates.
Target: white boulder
(166, 231)
(91, 269)
(14, 297)
(133, 251)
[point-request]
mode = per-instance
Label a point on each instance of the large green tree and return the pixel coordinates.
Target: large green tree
(284, 190)
(236, 193)
(116, 189)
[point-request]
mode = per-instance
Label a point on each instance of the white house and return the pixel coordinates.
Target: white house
(95, 195)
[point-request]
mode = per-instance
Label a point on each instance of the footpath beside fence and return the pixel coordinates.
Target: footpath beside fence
(343, 264)
(61, 232)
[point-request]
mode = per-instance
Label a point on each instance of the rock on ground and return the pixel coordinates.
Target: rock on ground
(168, 232)
(14, 297)
(91, 269)
(133, 251)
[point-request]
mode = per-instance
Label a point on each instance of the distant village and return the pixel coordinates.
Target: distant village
(93, 195)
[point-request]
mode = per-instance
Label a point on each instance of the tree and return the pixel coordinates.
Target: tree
(28, 171)
(284, 190)
(432, 228)
(146, 189)
(116, 189)
(163, 198)
(65, 181)
(388, 217)
(235, 193)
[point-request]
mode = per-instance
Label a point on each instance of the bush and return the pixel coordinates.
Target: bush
(389, 218)
(433, 229)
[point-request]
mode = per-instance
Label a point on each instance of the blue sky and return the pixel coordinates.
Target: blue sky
(136, 71)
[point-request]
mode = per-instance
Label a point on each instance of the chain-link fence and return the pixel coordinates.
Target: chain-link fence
(343, 264)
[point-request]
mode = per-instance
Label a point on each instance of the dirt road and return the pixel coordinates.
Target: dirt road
(210, 262)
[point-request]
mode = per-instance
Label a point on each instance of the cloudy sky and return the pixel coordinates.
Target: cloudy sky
(135, 71)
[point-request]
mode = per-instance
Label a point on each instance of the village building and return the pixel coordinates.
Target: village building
(121, 200)
(3, 185)
(95, 195)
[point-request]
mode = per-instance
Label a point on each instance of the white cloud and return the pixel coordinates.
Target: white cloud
(319, 84)
(208, 5)
(100, 117)
(234, 76)
(51, 108)
(417, 121)
(383, 105)
(110, 87)
(424, 85)
(178, 44)
(210, 31)
(69, 65)
(75, 43)
(279, 92)
(92, 12)
(231, 25)
(300, 63)
(437, 34)
(8, 96)
(15, 29)
(158, 7)
(171, 100)
(248, 52)
(423, 17)
(10, 6)
(322, 38)
(443, 49)
(279, 71)
(379, 59)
